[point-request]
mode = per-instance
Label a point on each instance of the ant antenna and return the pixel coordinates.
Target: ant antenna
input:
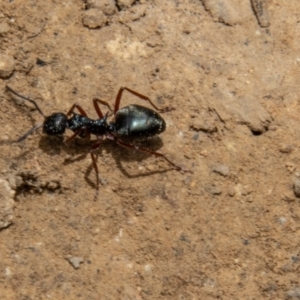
(22, 138)
(28, 99)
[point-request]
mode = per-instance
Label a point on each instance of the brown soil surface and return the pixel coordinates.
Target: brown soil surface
(231, 229)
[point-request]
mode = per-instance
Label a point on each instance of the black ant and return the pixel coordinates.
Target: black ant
(131, 122)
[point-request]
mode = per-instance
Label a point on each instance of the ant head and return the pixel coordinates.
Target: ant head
(55, 124)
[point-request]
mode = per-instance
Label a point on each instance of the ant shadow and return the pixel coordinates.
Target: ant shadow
(78, 149)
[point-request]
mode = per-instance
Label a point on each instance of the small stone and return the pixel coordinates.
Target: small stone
(294, 293)
(282, 220)
(261, 12)
(228, 12)
(75, 261)
(124, 3)
(288, 196)
(203, 121)
(7, 66)
(231, 191)
(4, 28)
(297, 187)
(6, 204)
(12, 180)
(53, 185)
(246, 190)
(94, 18)
(108, 7)
(204, 153)
(286, 149)
(222, 170)
(290, 167)
(195, 136)
(214, 189)
(244, 109)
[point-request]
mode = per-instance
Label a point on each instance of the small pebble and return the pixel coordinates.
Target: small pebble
(6, 204)
(229, 12)
(288, 197)
(214, 189)
(222, 170)
(148, 267)
(53, 185)
(4, 28)
(282, 220)
(231, 191)
(108, 7)
(246, 190)
(294, 293)
(286, 149)
(75, 261)
(7, 66)
(124, 3)
(206, 126)
(261, 12)
(290, 167)
(195, 136)
(94, 18)
(12, 180)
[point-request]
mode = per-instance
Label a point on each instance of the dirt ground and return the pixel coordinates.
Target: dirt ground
(231, 229)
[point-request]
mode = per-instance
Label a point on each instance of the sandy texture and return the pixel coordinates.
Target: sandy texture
(228, 231)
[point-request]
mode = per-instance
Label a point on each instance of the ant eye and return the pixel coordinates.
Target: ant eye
(55, 124)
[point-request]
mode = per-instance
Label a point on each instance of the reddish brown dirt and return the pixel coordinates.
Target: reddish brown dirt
(228, 231)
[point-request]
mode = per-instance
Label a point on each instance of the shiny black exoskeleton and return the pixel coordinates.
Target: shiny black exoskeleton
(136, 121)
(131, 122)
(57, 123)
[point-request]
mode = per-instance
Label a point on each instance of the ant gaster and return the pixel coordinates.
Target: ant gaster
(131, 122)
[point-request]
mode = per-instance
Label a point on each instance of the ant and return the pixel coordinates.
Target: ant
(132, 122)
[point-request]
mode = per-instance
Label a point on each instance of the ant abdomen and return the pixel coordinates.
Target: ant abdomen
(138, 122)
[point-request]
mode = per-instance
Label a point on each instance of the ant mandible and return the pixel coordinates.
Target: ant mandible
(132, 122)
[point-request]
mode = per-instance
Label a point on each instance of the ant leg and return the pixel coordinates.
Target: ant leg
(157, 154)
(119, 96)
(97, 108)
(97, 144)
(80, 109)
(86, 135)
